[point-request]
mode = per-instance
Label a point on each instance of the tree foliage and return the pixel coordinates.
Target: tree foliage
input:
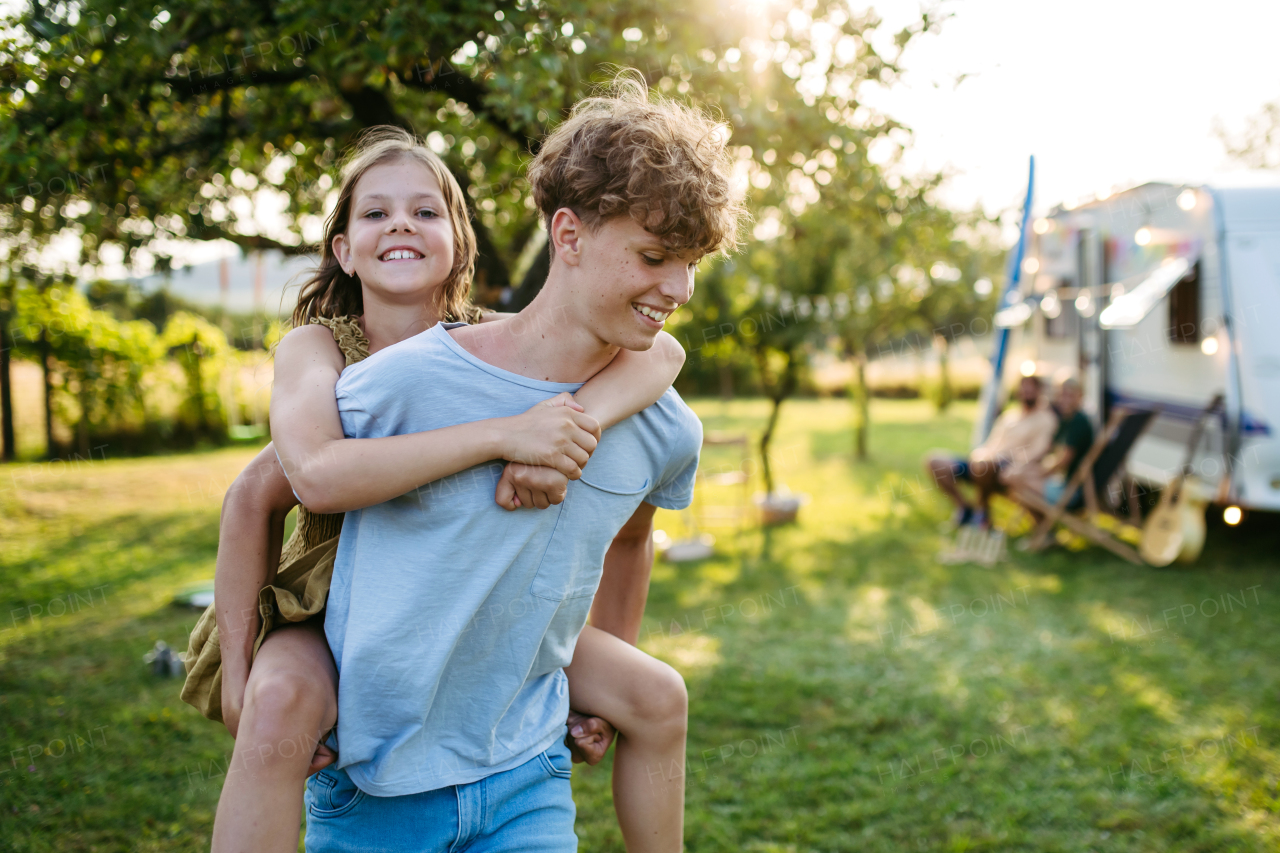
(1258, 146)
(866, 261)
(132, 124)
(201, 349)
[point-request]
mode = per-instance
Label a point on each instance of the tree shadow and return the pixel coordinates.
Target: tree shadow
(1014, 700)
(103, 558)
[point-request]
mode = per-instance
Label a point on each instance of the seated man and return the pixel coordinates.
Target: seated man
(1021, 437)
(1070, 443)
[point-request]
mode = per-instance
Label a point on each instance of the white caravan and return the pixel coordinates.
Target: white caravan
(1163, 296)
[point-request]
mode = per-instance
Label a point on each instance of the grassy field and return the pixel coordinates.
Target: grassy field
(848, 691)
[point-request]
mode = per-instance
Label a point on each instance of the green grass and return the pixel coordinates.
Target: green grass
(848, 691)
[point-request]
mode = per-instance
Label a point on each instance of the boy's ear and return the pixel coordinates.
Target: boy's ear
(342, 252)
(566, 236)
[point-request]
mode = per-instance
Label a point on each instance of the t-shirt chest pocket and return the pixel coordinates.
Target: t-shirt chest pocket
(594, 509)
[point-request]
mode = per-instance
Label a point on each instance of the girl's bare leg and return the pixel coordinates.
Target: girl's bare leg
(291, 700)
(647, 703)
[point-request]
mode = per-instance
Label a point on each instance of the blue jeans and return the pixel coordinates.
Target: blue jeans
(529, 808)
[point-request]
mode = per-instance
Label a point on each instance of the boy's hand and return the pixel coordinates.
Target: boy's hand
(588, 738)
(530, 486)
(323, 757)
(556, 433)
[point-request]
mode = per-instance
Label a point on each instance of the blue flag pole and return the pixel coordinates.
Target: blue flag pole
(989, 403)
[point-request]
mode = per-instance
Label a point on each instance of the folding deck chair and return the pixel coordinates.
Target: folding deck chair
(1105, 458)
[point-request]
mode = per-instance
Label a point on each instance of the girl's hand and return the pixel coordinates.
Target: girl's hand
(588, 738)
(232, 701)
(556, 433)
(323, 757)
(530, 486)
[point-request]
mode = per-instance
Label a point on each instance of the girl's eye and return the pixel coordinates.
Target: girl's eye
(374, 214)
(426, 211)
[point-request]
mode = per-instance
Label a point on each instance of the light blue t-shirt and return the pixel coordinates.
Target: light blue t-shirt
(449, 617)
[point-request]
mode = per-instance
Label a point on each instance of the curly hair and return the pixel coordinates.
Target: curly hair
(663, 163)
(329, 292)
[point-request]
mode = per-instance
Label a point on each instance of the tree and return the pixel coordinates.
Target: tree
(94, 363)
(10, 451)
(1259, 145)
(937, 277)
(201, 349)
(143, 124)
(793, 289)
(162, 124)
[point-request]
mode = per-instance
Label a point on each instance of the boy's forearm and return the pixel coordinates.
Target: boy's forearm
(624, 585)
(633, 381)
(248, 555)
(249, 538)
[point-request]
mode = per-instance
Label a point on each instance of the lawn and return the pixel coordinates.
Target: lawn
(847, 691)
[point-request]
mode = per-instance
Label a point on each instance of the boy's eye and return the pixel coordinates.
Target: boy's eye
(652, 260)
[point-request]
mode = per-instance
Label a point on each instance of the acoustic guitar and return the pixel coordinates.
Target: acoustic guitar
(1175, 529)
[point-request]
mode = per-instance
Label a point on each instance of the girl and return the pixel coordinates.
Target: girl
(397, 256)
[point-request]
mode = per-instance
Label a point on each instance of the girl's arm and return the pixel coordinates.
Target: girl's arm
(330, 473)
(249, 536)
(633, 381)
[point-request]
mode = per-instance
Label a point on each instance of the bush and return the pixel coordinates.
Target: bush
(96, 362)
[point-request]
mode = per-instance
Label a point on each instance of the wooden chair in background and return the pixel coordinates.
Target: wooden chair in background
(1102, 463)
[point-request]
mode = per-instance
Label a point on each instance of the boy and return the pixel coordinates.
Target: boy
(450, 620)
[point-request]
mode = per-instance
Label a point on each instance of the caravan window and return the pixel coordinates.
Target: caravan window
(1184, 308)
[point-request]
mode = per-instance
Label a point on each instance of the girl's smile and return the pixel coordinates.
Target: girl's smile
(399, 241)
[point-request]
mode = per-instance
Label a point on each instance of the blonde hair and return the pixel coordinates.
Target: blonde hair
(623, 153)
(329, 292)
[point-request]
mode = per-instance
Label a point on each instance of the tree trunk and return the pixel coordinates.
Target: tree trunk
(197, 386)
(490, 270)
(861, 407)
(531, 284)
(82, 428)
(945, 394)
(726, 380)
(49, 446)
(765, 438)
(778, 391)
(6, 393)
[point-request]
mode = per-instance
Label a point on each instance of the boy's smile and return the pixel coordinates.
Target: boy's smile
(653, 315)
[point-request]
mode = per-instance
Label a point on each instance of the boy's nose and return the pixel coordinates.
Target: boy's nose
(678, 287)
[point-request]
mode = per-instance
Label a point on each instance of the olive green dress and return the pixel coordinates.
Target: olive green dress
(301, 585)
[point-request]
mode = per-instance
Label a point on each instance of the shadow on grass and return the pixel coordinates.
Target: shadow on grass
(100, 560)
(1055, 702)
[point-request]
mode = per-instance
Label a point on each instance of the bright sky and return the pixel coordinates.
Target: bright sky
(1104, 92)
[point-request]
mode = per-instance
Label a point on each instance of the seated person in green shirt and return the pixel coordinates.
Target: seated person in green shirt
(1070, 443)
